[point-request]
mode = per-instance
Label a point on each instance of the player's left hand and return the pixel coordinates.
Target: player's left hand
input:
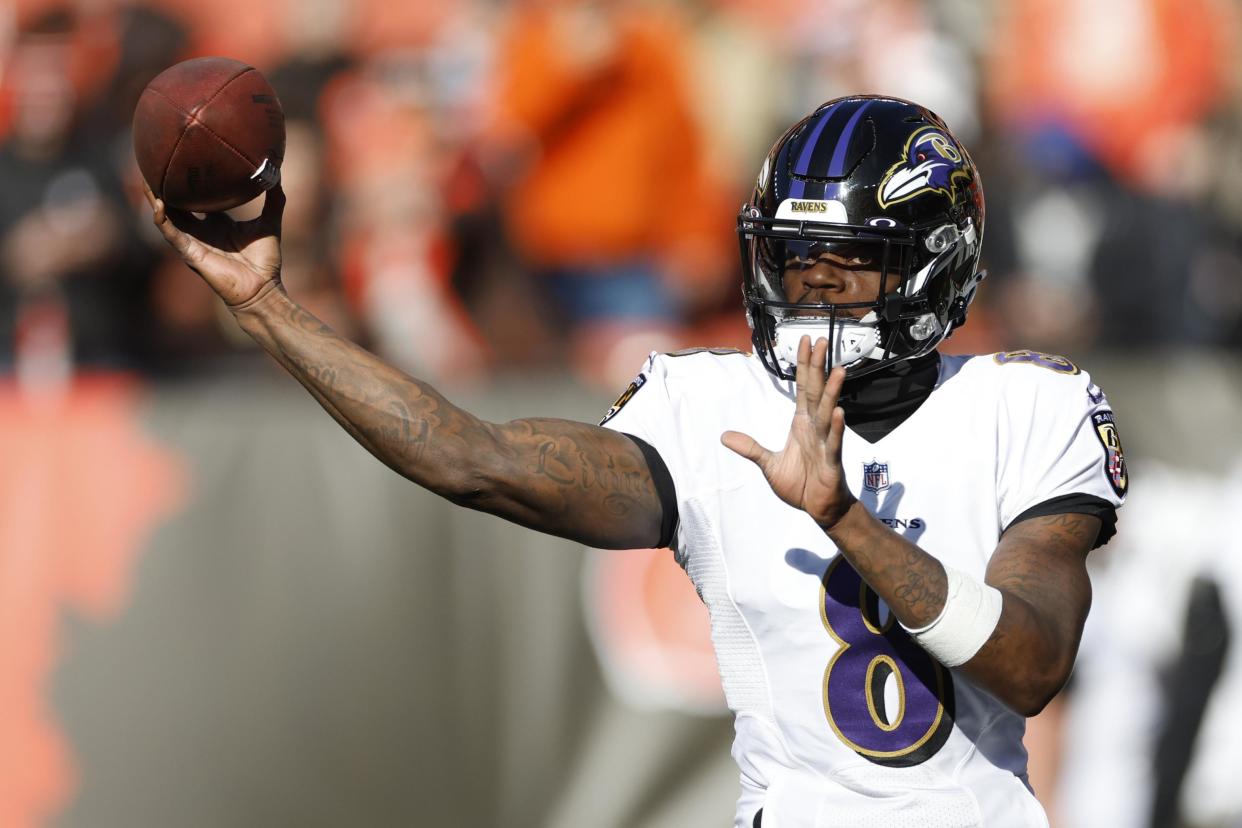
(807, 472)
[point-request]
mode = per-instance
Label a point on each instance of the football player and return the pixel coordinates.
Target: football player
(891, 542)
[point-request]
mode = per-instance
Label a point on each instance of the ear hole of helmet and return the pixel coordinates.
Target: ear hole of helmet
(942, 238)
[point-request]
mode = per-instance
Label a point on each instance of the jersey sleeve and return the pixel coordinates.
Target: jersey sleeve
(1058, 441)
(644, 412)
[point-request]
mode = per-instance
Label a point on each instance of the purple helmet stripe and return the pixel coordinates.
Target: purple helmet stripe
(808, 146)
(797, 187)
(835, 168)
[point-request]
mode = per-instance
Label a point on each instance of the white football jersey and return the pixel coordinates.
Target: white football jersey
(841, 720)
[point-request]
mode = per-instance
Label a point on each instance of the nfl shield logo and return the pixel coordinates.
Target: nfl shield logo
(875, 476)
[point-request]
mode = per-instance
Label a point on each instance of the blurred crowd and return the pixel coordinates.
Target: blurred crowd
(490, 186)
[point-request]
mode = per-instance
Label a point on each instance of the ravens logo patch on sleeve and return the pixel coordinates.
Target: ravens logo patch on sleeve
(1114, 459)
(625, 397)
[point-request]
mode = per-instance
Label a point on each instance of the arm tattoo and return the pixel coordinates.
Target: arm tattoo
(1042, 563)
(920, 590)
(565, 478)
(1040, 569)
(910, 581)
(576, 471)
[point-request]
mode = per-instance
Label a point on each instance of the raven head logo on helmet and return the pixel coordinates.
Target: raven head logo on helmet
(931, 164)
(874, 185)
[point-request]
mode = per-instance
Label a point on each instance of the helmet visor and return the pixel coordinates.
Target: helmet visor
(779, 258)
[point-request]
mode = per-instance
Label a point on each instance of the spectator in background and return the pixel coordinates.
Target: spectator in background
(317, 33)
(71, 270)
(388, 165)
(182, 333)
(1111, 163)
(310, 242)
(603, 194)
(144, 42)
(1216, 281)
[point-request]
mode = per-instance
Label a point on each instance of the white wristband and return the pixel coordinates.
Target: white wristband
(971, 612)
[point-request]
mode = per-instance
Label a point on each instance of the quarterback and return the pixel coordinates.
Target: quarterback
(892, 543)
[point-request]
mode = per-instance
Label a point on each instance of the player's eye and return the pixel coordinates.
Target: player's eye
(853, 257)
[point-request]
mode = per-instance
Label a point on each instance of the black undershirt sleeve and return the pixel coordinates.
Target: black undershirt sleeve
(1079, 504)
(664, 488)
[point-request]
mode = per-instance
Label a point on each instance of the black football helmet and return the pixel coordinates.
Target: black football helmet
(880, 183)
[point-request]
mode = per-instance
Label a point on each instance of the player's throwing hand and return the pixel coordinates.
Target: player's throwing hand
(806, 473)
(239, 259)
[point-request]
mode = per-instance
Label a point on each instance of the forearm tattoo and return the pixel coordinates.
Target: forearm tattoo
(565, 478)
(923, 588)
(1039, 567)
(910, 581)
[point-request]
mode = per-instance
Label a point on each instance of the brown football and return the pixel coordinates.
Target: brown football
(209, 134)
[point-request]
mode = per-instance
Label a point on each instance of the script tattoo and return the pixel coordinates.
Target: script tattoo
(547, 451)
(920, 590)
(908, 578)
(578, 471)
(590, 475)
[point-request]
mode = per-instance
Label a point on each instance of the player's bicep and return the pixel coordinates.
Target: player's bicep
(576, 481)
(1042, 562)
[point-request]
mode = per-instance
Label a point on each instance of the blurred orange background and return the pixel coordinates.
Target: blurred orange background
(519, 200)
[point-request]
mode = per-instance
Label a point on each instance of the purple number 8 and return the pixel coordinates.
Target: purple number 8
(1052, 362)
(854, 681)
